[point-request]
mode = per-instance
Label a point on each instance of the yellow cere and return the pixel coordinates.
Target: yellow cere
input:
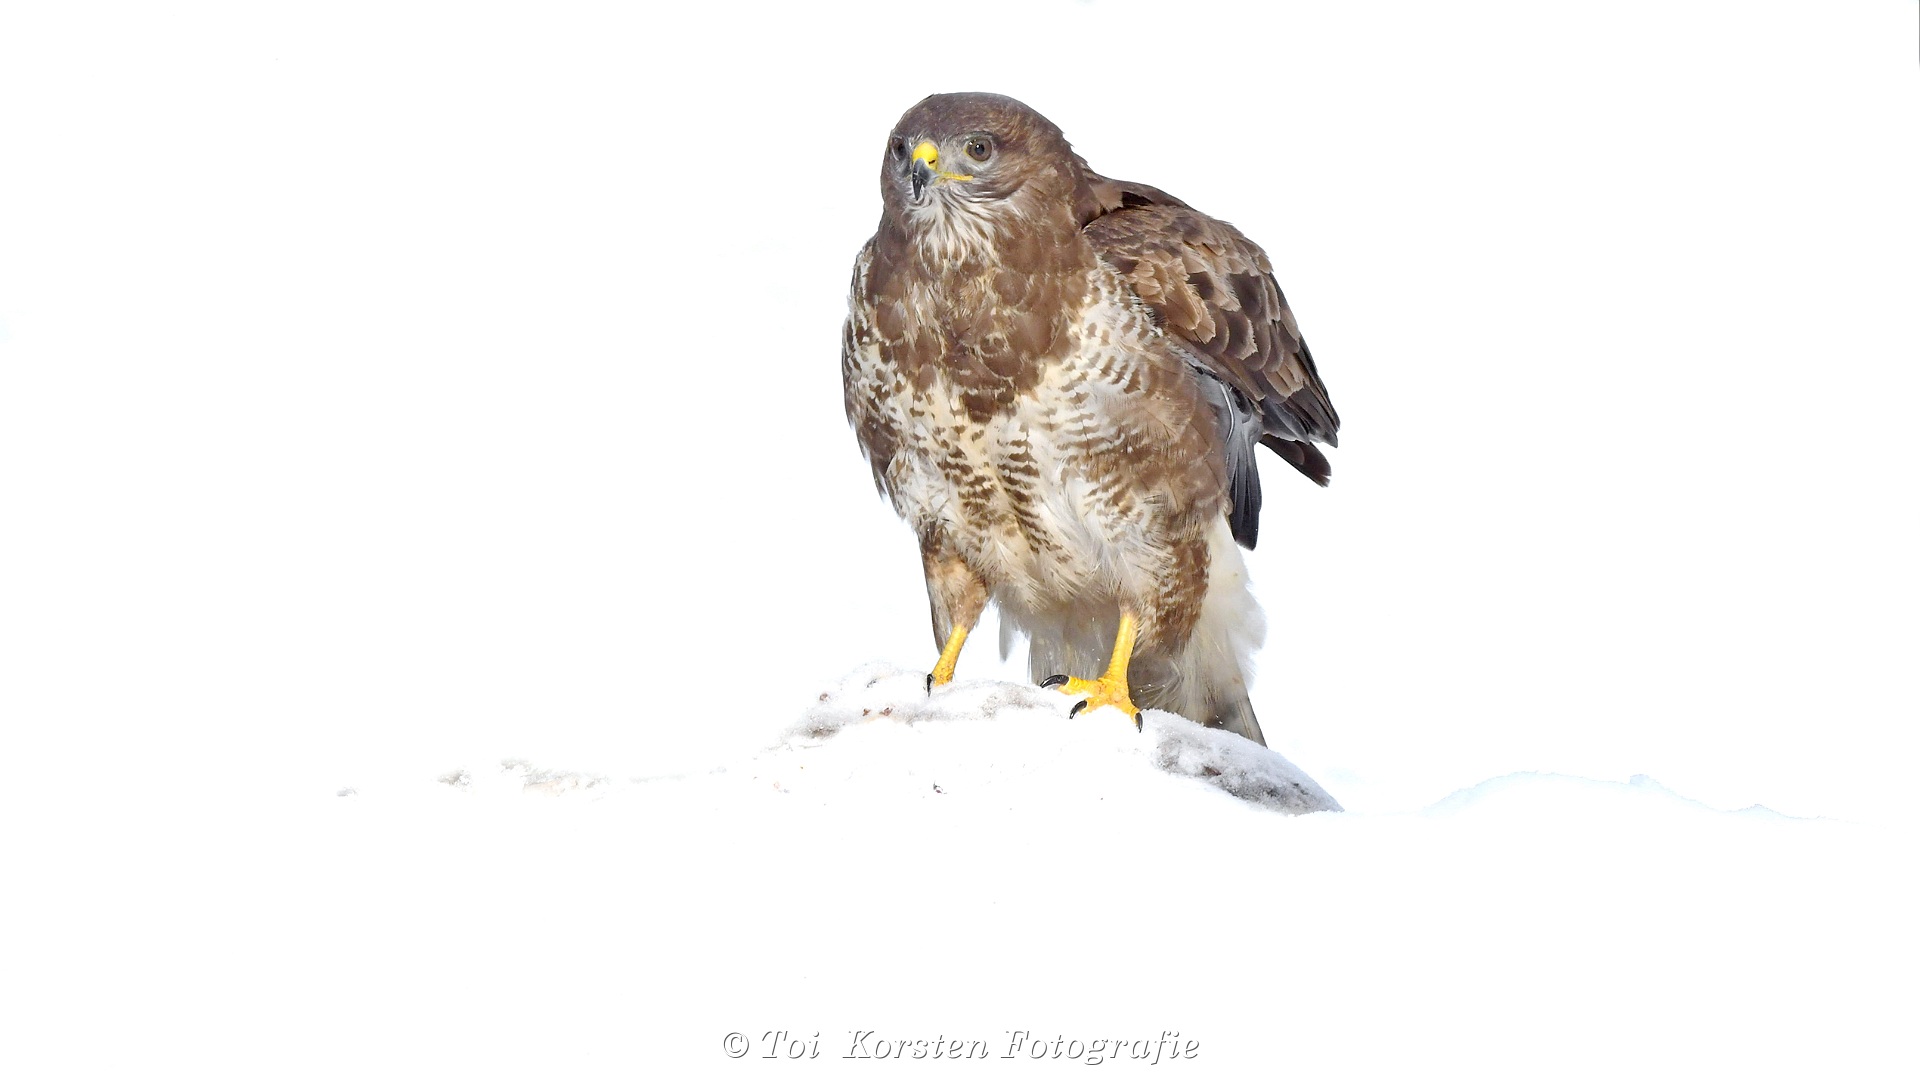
(930, 154)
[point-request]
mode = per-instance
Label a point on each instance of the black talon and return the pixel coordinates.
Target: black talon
(929, 683)
(1139, 722)
(1077, 706)
(1052, 681)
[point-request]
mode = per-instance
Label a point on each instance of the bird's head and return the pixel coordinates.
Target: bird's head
(963, 164)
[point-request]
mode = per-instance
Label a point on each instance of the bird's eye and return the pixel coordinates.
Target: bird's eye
(897, 147)
(979, 148)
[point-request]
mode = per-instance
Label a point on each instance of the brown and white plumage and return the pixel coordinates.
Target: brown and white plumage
(1059, 380)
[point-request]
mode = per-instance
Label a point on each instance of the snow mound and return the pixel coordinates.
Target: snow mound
(881, 727)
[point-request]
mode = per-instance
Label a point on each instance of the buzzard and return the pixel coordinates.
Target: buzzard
(1059, 380)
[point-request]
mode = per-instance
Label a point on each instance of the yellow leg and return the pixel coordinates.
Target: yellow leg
(1110, 688)
(949, 657)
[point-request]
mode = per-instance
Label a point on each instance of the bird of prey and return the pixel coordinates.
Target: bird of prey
(1059, 380)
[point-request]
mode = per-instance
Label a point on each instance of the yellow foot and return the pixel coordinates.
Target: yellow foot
(942, 672)
(1109, 689)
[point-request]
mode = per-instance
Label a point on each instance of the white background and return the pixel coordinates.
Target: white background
(391, 387)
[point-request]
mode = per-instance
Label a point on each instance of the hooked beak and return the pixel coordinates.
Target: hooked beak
(926, 168)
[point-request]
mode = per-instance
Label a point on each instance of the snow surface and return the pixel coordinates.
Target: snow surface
(441, 403)
(974, 868)
(973, 864)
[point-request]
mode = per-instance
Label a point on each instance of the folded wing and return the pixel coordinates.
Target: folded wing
(1212, 291)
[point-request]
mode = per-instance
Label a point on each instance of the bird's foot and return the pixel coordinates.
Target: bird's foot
(1108, 689)
(942, 672)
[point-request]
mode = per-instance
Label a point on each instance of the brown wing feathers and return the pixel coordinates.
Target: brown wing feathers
(1213, 290)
